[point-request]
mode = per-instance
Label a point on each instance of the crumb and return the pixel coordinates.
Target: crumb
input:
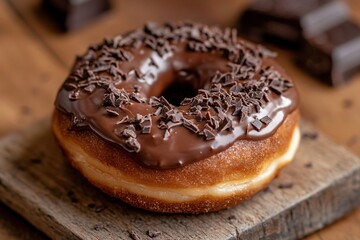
(98, 227)
(99, 208)
(91, 205)
(309, 165)
(285, 185)
(72, 197)
(35, 161)
(133, 235)
(310, 135)
(153, 234)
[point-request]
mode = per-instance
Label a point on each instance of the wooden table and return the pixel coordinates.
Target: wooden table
(34, 60)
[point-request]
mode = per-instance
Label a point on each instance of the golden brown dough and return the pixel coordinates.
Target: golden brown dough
(177, 190)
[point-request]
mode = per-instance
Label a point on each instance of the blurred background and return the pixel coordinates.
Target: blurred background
(35, 58)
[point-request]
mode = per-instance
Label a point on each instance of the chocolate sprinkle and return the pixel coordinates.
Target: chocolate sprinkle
(209, 135)
(74, 95)
(133, 144)
(266, 120)
(123, 120)
(166, 134)
(112, 112)
(145, 124)
(90, 88)
(70, 86)
(227, 125)
(190, 125)
(186, 101)
(128, 132)
(257, 124)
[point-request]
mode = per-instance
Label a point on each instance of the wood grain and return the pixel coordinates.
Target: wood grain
(29, 78)
(13, 226)
(39, 183)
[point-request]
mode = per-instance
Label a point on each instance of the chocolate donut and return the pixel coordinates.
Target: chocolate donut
(180, 117)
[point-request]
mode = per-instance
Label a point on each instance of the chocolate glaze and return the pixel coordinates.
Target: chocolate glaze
(115, 87)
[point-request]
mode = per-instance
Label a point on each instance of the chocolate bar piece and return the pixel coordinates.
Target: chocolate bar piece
(73, 14)
(333, 55)
(286, 21)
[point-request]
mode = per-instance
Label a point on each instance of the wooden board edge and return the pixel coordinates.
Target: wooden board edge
(35, 215)
(48, 225)
(311, 214)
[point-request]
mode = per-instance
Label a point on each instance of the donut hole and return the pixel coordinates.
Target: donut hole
(177, 91)
(185, 85)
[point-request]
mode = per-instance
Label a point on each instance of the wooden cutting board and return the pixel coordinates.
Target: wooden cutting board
(321, 185)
